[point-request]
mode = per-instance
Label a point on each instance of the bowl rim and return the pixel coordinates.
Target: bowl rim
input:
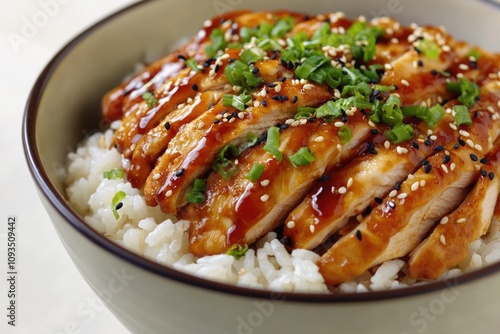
(60, 204)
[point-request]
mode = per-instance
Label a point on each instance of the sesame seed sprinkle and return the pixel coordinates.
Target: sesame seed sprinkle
(444, 168)
(402, 196)
(461, 220)
(168, 193)
(264, 197)
(470, 143)
(423, 183)
(442, 239)
(290, 224)
(156, 176)
(312, 228)
(453, 166)
(349, 182)
(393, 193)
(359, 235)
(405, 82)
(319, 139)
(444, 220)
(415, 186)
(464, 133)
(265, 182)
(387, 144)
(342, 190)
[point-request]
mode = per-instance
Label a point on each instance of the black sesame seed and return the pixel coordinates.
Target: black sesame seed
(378, 200)
(167, 125)
(295, 98)
(283, 79)
(418, 50)
(415, 145)
(427, 142)
(271, 85)
(310, 119)
(180, 172)
(456, 146)
(473, 157)
(439, 148)
(216, 121)
(376, 92)
(461, 141)
(119, 206)
(181, 57)
(473, 64)
(391, 204)
(483, 172)
(491, 175)
(276, 97)
(216, 69)
(194, 87)
(284, 63)
(358, 235)
(274, 55)
(434, 72)
(446, 158)
(374, 132)
(284, 126)
(427, 168)
(264, 103)
(372, 151)
(363, 111)
(420, 63)
(483, 161)
(255, 70)
(397, 186)
(476, 114)
(368, 210)
(423, 162)
(290, 65)
(285, 98)
(324, 178)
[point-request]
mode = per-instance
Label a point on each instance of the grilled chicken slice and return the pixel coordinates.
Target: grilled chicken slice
(448, 242)
(239, 211)
(155, 142)
(349, 191)
(191, 152)
(395, 227)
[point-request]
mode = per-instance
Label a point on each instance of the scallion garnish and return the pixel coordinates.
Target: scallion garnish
(310, 65)
(391, 111)
(251, 141)
(218, 42)
(240, 74)
(115, 203)
(113, 174)
(384, 89)
(273, 142)
(434, 115)
(401, 133)
(304, 112)
(197, 193)
(462, 115)
(430, 49)
(240, 102)
(150, 99)
(237, 251)
(469, 91)
(282, 27)
(474, 53)
(223, 165)
(328, 111)
(252, 55)
(255, 172)
(302, 157)
(345, 134)
(190, 62)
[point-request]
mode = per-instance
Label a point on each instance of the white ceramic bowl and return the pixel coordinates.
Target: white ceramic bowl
(148, 298)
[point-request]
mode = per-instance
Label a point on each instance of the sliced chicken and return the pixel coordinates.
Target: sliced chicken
(191, 152)
(396, 226)
(239, 211)
(448, 242)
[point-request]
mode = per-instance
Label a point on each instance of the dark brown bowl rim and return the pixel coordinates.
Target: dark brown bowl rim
(60, 204)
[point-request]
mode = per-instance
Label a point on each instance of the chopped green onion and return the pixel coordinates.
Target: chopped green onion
(237, 101)
(384, 89)
(304, 112)
(150, 99)
(264, 30)
(269, 44)
(469, 91)
(246, 34)
(196, 195)
(363, 88)
(218, 42)
(401, 133)
(430, 49)
(113, 174)
(416, 111)
(474, 53)
(273, 142)
(462, 115)
(119, 196)
(190, 62)
(434, 115)
(240, 74)
(309, 66)
(251, 141)
(392, 114)
(345, 134)
(252, 55)
(328, 111)
(282, 27)
(224, 166)
(237, 251)
(302, 157)
(255, 172)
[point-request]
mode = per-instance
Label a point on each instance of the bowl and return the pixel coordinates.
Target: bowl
(64, 108)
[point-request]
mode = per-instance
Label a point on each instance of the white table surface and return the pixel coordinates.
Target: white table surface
(53, 298)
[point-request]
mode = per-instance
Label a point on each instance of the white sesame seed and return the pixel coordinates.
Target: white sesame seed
(444, 220)
(256, 103)
(401, 150)
(303, 121)
(460, 75)
(477, 167)
(349, 182)
(371, 124)
(464, 133)
(241, 115)
(388, 66)
(415, 186)
(394, 40)
(156, 176)
(433, 137)
(478, 147)
(442, 238)
(411, 176)
(180, 106)
(232, 120)
(168, 193)
(342, 190)
(470, 143)
(264, 197)
(463, 67)
(393, 193)
(295, 123)
(336, 94)
(402, 196)
(359, 218)
(339, 124)
(289, 121)
(490, 109)
(461, 220)
(444, 168)
(265, 182)
(405, 83)
(319, 139)
(236, 161)
(277, 88)
(453, 126)
(452, 166)
(290, 224)
(387, 144)
(308, 86)
(312, 228)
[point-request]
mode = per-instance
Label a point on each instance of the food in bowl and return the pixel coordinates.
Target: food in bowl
(297, 153)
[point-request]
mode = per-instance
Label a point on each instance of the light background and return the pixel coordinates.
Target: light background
(53, 298)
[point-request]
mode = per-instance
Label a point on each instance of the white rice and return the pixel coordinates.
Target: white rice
(162, 238)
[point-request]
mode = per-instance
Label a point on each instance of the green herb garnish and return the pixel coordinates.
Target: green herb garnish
(400, 134)
(150, 99)
(462, 115)
(273, 142)
(430, 49)
(223, 165)
(345, 134)
(302, 157)
(255, 172)
(197, 193)
(239, 102)
(190, 62)
(237, 251)
(116, 203)
(113, 174)
(218, 42)
(469, 91)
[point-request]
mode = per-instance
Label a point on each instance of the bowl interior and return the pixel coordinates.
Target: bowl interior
(64, 106)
